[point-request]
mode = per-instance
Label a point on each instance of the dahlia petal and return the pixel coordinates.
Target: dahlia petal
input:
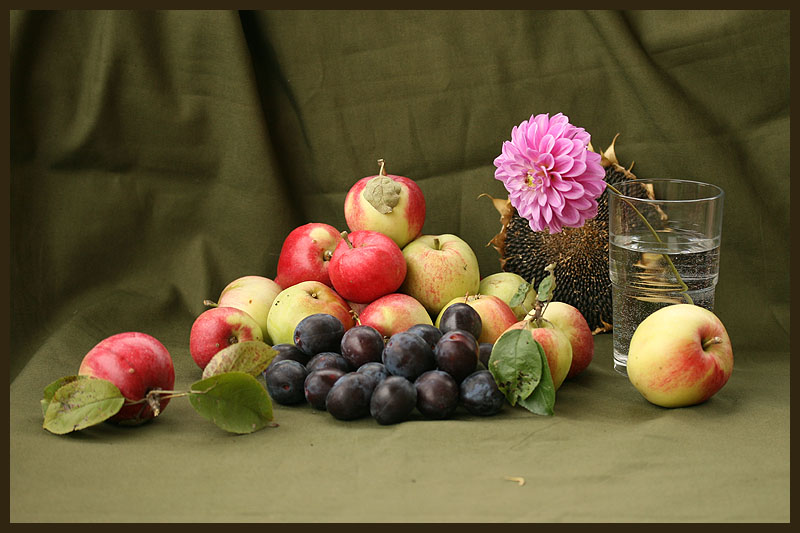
(545, 160)
(575, 191)
(562, 163)
(546, 143)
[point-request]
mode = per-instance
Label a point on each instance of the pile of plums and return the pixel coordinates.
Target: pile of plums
(357, 373)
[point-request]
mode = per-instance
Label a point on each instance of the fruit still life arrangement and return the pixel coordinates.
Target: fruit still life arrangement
(384, 321)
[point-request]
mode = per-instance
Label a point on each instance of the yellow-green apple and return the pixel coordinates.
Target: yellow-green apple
(390, 204)
(512, 289)
(218, 328)
(496, 315)
(556, 346)
(295, 303)
(572, 323)
(366, 265)
(679, 356)
(394, 313)
(253, 295)
(306, 253)
(136, 363)
(440, 268)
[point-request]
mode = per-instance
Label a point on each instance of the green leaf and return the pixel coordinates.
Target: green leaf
(543, 399)
(515, 364)
(250, 357)
(81, 403)
(383, 193)
(548, 285)
(519, 296)
(51, 389)
(234, 401)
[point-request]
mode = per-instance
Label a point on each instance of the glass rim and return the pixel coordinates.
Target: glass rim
(719, 193)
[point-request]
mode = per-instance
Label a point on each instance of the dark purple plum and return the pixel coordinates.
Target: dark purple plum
(375, 370)
(429, 332)
(349, 398)
(461, 316)
(285, 382)
(457, 354)
(393, 400)
(318, 384)
(318, 333)
(328, 360)
(485, 352)
(290, 352)
(437, 394)
(407, 355)
(480, 395)
(361, 344)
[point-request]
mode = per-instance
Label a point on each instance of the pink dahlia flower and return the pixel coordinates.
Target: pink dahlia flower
(552, 178)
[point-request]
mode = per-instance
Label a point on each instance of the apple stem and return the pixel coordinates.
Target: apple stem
(436, 244)
(344, 236)
(383, 167)
(209, 303)
(712, 341)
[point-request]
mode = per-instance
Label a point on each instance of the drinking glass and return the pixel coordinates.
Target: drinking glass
(664, 243)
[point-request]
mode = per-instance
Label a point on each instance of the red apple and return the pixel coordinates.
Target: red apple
(394, 313)
(573, 324)
(390, 204)
(496, 315)
(366, 265)
(306, 253)
(135, 363)
(679, 356)
(295, 303)
(218, 328)
(440, 268)
(556, 346)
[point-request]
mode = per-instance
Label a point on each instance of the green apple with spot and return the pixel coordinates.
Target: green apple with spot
(512, 289)
(253, 295)
(306, 298)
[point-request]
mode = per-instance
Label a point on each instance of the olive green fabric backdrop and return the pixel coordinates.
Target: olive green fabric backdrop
(156, 156)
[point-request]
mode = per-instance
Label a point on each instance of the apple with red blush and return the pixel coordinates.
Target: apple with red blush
(217, 328)
(306, 253)
(387, 203)
(556, 346)
(439, 268)
(366, 265)
(680, 355)
(572, 323)
(136, 363)
(394, 313)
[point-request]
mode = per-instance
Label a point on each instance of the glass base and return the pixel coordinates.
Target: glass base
(621, 363)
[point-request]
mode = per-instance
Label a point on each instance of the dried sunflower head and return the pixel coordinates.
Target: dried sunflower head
(580, 255)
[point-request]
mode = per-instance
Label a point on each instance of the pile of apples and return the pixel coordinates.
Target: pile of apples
(386, 274)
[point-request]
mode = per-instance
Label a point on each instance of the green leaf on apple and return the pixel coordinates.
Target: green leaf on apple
(383, 193)
(250, 357)
(516, 364)
(80, 402)
(234, 401)
(547, 286)
(520, 295)
(51, 389)
(543, 399)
